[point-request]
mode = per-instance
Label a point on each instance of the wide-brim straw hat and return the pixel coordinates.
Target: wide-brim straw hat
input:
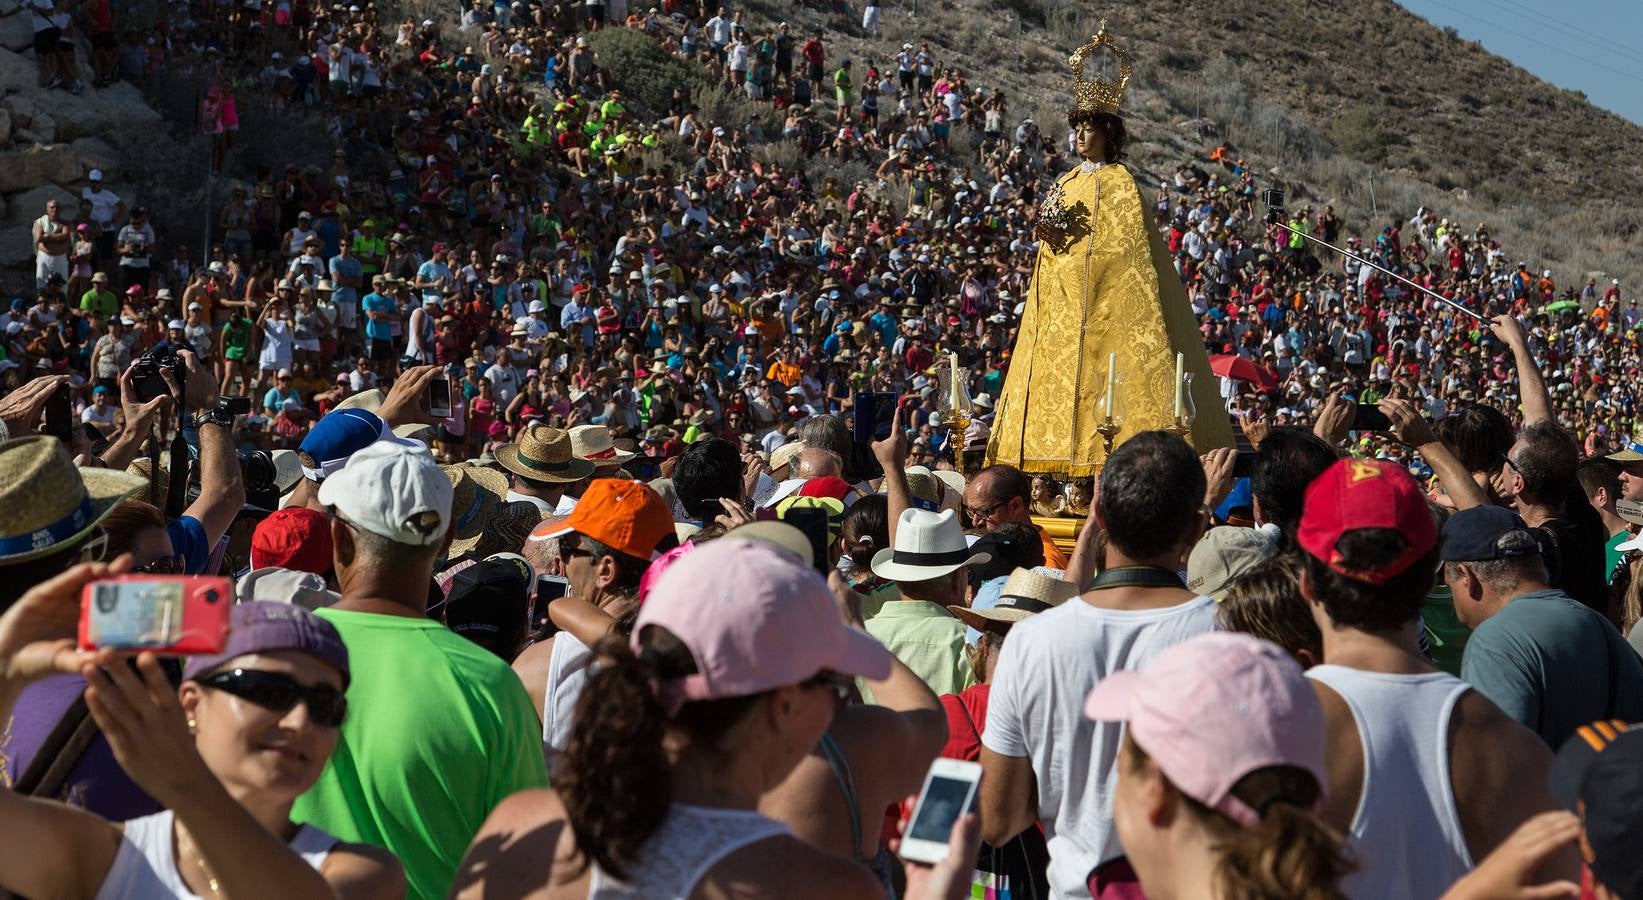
(594, 444)
(478, 504)
(1026, 593)
(47, 503)
(543, 453)
(785, 454)
(368, 400)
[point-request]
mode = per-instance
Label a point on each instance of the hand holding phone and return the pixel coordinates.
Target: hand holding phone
(167, 614)
(439, 397)
(949, 792)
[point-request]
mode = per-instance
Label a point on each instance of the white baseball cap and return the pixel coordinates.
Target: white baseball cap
(538, 306)
(394, 491)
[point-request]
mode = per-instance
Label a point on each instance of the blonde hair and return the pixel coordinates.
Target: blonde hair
(1290, 853)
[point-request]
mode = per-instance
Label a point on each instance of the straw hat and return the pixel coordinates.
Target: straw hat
(543, 453)
(701, 417)
(46, 502)
(369, 400)
(478, 506)
(1025, 593)
(593, 443)
(785, 454)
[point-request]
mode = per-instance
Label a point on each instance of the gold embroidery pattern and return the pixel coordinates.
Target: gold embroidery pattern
(1110, 289)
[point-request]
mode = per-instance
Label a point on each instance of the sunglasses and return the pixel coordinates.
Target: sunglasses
(279, 693)
(165, 565)
(842, 685)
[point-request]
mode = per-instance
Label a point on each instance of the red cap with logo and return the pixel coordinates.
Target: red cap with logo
(295, 538)
(1354, 494)
(623, 515)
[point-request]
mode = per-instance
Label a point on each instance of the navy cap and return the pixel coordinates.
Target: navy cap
(1484, 533)
(338, 435)
(262, 626)
(1601, 767)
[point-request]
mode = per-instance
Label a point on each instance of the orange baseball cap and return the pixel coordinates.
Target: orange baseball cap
(623, 515)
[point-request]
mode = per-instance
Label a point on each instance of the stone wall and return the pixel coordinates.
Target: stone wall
(51, 139)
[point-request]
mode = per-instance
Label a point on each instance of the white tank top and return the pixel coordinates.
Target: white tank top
(570, 664)
(145, 868)
(691, 841)
(1406, 832)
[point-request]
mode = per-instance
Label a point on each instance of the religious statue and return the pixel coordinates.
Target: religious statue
(1106, 312)
(1047, 499)
(1080, 491)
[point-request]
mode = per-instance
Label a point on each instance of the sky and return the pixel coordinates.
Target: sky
(1593, 46)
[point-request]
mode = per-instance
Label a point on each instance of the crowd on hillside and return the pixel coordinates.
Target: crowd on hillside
(687, 628)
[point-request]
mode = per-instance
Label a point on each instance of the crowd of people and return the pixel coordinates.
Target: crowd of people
(527, 433)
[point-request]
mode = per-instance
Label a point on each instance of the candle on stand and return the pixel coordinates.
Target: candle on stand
(1180, 369)
(1112, 380)
(952, 362)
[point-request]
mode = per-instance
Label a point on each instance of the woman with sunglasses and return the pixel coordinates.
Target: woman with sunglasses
(227, 755)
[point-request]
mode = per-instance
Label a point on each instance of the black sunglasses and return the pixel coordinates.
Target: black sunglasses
(279, 693)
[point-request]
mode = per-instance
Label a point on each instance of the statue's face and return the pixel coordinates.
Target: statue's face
(1090, 142)
(1041, 489)
(1078, 495)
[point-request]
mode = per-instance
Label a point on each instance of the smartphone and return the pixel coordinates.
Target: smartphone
(1244, 465)
(1369, 418)
(59, 416)
(170, 614)
(548, 589)
(439, 397)
(949, 791)
(813, 522)
(875, 415)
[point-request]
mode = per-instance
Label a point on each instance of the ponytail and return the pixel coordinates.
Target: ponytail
(615, 777)
(1289, 853)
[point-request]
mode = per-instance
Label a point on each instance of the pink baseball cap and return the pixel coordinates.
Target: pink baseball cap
(754, 618)
(1214, 708)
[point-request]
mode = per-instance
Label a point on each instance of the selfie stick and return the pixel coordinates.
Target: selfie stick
(1275, 212)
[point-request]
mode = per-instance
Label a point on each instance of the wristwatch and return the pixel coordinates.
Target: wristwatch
(216, 415)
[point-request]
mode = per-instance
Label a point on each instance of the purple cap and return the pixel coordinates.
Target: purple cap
(263, 625)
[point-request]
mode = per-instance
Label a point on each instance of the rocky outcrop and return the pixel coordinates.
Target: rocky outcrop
(50, 140)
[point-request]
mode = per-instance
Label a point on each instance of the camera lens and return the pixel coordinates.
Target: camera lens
(211, 595)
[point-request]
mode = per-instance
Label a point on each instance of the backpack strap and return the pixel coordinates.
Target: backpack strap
(60, 752)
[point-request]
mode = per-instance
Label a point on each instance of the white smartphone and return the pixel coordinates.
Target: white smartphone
(439, 397)
(949, 790)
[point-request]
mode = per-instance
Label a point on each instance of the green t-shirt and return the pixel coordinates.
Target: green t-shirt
(439, 731)
(103, 303)
(1445, 635)
(236, 338)
(1611, 555)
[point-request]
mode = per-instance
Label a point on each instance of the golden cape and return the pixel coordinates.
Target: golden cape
(1105, 285)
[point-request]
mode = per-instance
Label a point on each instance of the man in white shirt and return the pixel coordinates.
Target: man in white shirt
(106, 209)
(1152, 497)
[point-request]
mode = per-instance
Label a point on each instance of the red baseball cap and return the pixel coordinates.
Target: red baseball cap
(1366, 493)
(623, 515)
(295, 538)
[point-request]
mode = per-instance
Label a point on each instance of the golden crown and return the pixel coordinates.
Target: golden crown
(1098, 94)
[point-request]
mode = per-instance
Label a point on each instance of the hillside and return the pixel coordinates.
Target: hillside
(1376, 111)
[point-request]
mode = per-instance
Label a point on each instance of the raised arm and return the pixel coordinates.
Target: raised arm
(1537, 402)
(1412, 430)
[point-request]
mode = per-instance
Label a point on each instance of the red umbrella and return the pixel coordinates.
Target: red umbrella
(1243, 369)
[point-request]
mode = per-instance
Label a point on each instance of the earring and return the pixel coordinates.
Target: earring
(191, 726)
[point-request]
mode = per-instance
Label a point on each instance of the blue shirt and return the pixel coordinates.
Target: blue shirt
(382, 330)
(188, 541)
(433, 270)
(345, 268)
(885, 325)
(574, 315)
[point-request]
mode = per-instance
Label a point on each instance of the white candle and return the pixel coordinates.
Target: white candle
(1180, 370)
(1112, 379)
(952, 362)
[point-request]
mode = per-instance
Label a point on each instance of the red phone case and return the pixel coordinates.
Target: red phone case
(207, 603)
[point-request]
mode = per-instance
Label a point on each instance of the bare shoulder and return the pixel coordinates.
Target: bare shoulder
(532, 666)
(362, 872)
(525, 845)
(1497, 773)
(801, 870)
(1343, 752)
